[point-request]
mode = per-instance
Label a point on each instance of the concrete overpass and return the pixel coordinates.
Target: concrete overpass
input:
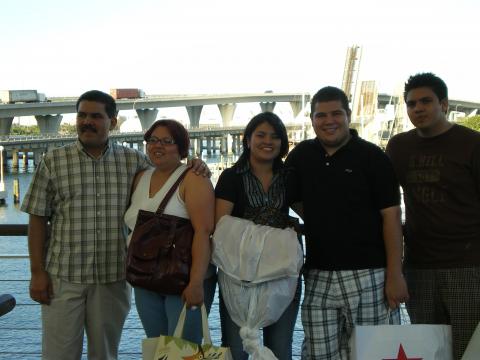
(49, 114)
(454, 105)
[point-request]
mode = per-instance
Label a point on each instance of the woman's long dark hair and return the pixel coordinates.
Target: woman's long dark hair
(280, 130)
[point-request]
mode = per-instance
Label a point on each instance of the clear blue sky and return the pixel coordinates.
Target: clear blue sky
(63, 47)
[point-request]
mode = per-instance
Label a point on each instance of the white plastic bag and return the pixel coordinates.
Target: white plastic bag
(255, 253)
(258, 273)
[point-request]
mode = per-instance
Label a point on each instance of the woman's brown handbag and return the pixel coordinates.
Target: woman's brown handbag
(159, 256)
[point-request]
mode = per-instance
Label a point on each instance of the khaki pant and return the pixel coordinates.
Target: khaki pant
(98, 309)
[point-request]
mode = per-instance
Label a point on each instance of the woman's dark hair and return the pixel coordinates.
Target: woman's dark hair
(280, 130)
(178, 132)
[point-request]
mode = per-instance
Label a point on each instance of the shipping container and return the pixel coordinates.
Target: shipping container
(126, 93)
(14, 96)
(42, 98)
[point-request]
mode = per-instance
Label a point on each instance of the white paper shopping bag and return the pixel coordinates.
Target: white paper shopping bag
(398, 342)
(472, 352)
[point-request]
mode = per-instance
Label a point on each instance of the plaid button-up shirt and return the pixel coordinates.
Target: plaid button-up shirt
(85, 199)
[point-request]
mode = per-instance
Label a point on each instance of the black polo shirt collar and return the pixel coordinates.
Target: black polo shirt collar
(354, 138)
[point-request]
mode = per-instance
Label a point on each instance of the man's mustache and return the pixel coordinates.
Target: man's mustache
(84, 128)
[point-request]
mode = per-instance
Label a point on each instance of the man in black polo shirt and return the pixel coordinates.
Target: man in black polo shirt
(350, 200)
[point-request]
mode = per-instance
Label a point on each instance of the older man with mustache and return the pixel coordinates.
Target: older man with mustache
(77, 238)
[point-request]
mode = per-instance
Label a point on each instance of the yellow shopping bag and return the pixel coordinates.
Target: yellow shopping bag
(176, 348)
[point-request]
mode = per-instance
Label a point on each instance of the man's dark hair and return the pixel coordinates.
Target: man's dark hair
(280, 130)
(101, 97)
(429, 80)
(329, 93)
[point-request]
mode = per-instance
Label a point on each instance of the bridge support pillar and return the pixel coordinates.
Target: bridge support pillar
(25, 159)
(120, 120)
(202, 147)
(49, 123)
(227, 111)
(223, 145)
(191, 149)
(240, 145)
(230, 145)
(197, 146)
(267, 106)
(194, 113)
(214, 147)
(6, 125)
(147, 117)
(37, 157)
(236, 144)
(209, 145)
(15, 159)
(296, 107)
(5, 157)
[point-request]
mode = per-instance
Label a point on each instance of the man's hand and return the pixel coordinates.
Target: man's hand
(199, 167)
(396, 290)
(41, 289)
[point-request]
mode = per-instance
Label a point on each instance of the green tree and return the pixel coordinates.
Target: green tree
(24, 130)
(472, 122)
(67, 129)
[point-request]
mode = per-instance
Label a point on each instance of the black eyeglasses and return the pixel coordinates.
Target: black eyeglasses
(165, 141)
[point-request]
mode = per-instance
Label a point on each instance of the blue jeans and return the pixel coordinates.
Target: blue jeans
(159, 313)
(278, 337)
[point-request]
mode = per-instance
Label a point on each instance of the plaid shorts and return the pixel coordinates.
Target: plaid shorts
(334, 302)
(446, 296)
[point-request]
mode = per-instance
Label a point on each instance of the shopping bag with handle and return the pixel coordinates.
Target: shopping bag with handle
(472, 352)
(398, 342)
(176, 348)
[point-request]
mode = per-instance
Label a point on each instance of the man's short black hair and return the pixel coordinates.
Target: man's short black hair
(428, 80)
(101, 97)
(330, 93)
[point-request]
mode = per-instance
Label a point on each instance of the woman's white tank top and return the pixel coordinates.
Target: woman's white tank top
(141, 198)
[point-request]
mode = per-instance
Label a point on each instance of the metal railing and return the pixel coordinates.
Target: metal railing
(13, 229)
(29, 314)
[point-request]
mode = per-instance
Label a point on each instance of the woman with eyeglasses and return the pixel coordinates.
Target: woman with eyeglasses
(167, 144)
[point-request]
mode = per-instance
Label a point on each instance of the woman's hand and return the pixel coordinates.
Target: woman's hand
(193, 294)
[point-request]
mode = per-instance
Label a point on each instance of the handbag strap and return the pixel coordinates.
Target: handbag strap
(181, 322)
(169, 194)
(389, 315)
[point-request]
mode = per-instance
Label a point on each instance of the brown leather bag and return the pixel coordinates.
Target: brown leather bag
(159, 256)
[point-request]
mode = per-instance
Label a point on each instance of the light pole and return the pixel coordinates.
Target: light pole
(3, 193)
